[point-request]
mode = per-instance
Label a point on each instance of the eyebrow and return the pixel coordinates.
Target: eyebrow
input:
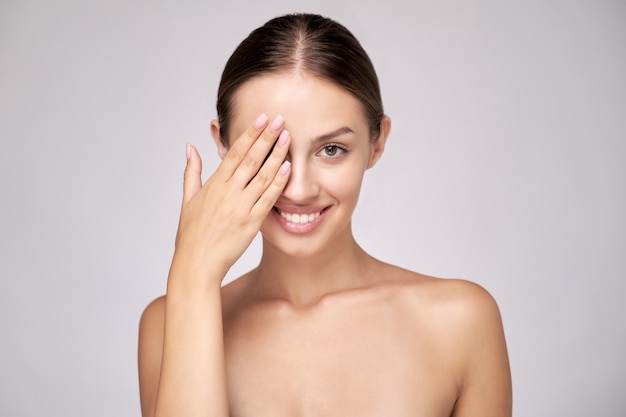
(327, 136)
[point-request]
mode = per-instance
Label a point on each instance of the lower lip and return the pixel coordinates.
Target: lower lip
(299, 228)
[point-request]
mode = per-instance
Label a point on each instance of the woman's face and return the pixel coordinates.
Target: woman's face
(330, 150)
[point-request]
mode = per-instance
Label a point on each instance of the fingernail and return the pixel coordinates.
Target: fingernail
(277, 123)
(282, 139)
(284, 168)
(260, 121)
(188, 151)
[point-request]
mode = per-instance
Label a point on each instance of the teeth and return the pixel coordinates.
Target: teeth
(299, 218)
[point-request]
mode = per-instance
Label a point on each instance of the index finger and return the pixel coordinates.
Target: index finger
(257, 154)
(240, 148)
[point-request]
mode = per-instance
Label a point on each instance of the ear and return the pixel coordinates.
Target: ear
(378, 146)
(215, 132)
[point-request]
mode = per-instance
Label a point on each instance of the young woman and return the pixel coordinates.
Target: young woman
(320, 327)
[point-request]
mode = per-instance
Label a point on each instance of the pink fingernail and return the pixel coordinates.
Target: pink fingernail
(282, 139)
(284, 168)
(277, 123)
(188, 151)
(260, 121)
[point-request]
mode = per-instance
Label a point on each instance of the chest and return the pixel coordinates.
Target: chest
(360, 362)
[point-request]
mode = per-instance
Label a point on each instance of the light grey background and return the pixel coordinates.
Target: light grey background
(506, 166)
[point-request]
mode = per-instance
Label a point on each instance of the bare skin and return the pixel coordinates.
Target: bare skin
(320, 327)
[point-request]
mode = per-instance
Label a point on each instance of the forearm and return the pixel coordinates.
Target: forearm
(218, 221)
(192, 381)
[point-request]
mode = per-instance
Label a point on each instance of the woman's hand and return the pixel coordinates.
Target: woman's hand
(181, 343)
(220, 219)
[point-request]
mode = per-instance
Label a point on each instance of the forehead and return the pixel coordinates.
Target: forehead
(310, 105)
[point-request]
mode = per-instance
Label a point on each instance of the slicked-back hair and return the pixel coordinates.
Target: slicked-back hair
(307, 43)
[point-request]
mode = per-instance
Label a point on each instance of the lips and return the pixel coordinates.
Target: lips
(299, 219)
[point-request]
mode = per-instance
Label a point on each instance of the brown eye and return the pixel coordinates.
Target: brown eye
(331, 150)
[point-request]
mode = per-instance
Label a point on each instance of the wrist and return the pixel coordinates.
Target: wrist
(188, 273)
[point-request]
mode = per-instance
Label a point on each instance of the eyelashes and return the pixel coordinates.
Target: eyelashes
(330, 152)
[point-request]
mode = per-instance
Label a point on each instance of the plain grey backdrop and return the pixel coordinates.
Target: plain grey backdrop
(506, 166)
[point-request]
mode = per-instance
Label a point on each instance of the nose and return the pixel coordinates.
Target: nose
(301, 186)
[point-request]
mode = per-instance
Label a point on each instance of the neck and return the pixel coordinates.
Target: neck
(305, 280)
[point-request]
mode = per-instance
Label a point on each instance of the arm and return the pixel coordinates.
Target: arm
(181, 349)
(486, 388)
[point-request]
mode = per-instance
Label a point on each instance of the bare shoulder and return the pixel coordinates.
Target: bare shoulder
(466, 300)
(151, 329)
(152, 320)
(464, 310)
(456, 300)
(150, 351)
(463, 322)
(155, 310)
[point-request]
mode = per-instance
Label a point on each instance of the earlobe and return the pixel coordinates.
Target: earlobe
(215, 133)
(378, 146)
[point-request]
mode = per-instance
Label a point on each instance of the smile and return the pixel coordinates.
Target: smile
(298, 218)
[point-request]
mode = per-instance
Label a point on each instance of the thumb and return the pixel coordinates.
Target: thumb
(192, 179)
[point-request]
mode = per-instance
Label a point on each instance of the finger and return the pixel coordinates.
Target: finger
(240, 147)
(193, 174)
(258, 152)
(267, 200)
(270, 168)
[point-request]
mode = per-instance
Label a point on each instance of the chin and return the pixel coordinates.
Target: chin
(293, 246)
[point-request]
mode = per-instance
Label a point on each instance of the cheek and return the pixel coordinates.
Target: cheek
(343, 182)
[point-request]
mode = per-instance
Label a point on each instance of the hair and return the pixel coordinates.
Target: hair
(302, 42)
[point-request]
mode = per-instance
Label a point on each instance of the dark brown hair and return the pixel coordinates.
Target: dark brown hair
(307, 42)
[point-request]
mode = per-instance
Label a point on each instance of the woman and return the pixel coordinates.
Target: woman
(320, 327)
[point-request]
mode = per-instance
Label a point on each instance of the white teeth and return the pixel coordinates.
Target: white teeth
(299, 218)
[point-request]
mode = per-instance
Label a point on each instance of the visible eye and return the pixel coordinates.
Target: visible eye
(332, 151)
